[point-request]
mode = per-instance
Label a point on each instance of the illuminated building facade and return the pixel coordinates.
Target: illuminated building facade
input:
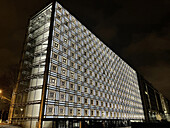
(67, 73)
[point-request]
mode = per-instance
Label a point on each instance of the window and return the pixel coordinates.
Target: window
(59, 8)
(79, 78)
(57, 35)
(72, 54)
(72, 86)
(72, 45)
(67, 15)
(79, 67)
(101, 103)
(72, 75)
(62, 97)
(91, 92)
(98, 113)
(91, 102)
(56, 45)
(71, 98)
(63, 83)
(97, 102)
(79, 112)
(79, 88)
(72, 64)
(71, 111)
(65, 40)
(64, 50)
(52, 80)
(91, 82)
(50, 109)
(58, 16)
(63, 71)
(57, 25)
(79, 58)
(51, 95)
(61, 110)
(65, 31)
(85, 79)
(85, 90)
(85, 101)
(64, 60)
(86, 112)
(92, 113)
(79, 99)
(85, 70)
(55, 56)
(91, 73)
(54, 68)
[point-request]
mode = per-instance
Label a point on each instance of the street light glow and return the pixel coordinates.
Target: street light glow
(0, 91)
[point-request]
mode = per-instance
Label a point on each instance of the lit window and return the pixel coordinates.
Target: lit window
(52, 80)
(65, 40)
(56, 45)
(64, 60)
(64, 71)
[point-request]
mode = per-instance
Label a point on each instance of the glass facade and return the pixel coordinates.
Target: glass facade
(86, 79)
(26, 107)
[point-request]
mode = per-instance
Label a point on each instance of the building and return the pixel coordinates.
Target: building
(69, 78)
(156, 106)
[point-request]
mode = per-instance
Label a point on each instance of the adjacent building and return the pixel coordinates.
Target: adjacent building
(69, 78)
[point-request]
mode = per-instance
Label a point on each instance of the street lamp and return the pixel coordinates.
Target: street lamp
(0, 91)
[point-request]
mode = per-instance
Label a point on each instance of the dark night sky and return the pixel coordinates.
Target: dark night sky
(137, 30)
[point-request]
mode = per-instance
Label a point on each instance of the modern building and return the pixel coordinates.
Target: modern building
(69, 78)
(156, 106)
